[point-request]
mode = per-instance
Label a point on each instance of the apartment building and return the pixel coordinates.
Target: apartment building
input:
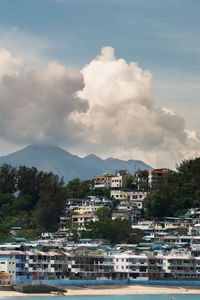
(82, 219)
(119, 195)
(129, 266)
(103, 181)
(137, 198)
(155, 175)
(127, 211)
(46, 265)
(117, 182)
(93, 265)
(15, 264)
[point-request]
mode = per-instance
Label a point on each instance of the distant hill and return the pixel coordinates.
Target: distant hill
(63, 163)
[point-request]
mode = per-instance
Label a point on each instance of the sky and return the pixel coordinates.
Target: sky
(111, 77)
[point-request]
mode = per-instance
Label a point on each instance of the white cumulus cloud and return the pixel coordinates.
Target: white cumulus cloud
(8, 63)
(106, 108)
(122, 119)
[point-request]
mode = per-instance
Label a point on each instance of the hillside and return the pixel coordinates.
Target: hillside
(63, 163)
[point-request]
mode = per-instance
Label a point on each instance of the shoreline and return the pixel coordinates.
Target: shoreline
(113, 290)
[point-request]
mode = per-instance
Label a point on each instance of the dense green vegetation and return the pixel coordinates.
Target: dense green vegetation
(31, 199)
(175, 192)
(82, 189)
(116, 231)
(35, 200)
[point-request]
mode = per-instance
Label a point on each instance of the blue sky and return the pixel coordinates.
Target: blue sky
(157, 34)
(162, 36)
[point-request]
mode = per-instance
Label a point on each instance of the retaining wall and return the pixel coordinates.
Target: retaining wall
(112, 282)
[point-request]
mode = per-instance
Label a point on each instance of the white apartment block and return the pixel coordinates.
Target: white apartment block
(129, 266)
(117, 182)
(8, 269)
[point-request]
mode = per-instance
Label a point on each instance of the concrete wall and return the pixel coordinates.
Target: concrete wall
(107, 282)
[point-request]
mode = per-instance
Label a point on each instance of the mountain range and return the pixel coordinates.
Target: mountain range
(61, 162)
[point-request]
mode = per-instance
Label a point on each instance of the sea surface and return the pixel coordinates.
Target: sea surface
(114, 297)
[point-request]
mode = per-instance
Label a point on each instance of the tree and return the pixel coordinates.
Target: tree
(29, 181)
(51, 203)
(103, 212)
(7, 179)
(31, 199)
(72, 230)
(78, 189)
(73, 187)
(175, 192)
(128, 184)
(116, 231)
(100, 192)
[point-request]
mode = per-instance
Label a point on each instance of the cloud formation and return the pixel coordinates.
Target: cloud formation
(106, 108)
(122, 118)
(36, 103)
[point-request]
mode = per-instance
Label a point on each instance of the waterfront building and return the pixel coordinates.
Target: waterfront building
(46, 265)
(129, 266)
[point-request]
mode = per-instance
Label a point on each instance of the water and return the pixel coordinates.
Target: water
(114, 297)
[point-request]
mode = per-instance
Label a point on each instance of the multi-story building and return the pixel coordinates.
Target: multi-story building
(129, 266)
(111, 182)
(140, 180)
(103, 181)
(92, 265)
(92, 262)
(155, 175)
(46, 265)
(137, 198)
(118, 182)
(15, 264)
(119, 195)
(83, 219)
(128, 212)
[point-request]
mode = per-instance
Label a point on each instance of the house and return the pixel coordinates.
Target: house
(103, 181)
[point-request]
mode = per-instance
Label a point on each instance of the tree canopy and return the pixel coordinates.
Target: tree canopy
(116, 231)
(31, 199)
(176, 191)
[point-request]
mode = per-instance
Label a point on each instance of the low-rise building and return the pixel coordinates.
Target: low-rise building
(103, 181)
(119, 195)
